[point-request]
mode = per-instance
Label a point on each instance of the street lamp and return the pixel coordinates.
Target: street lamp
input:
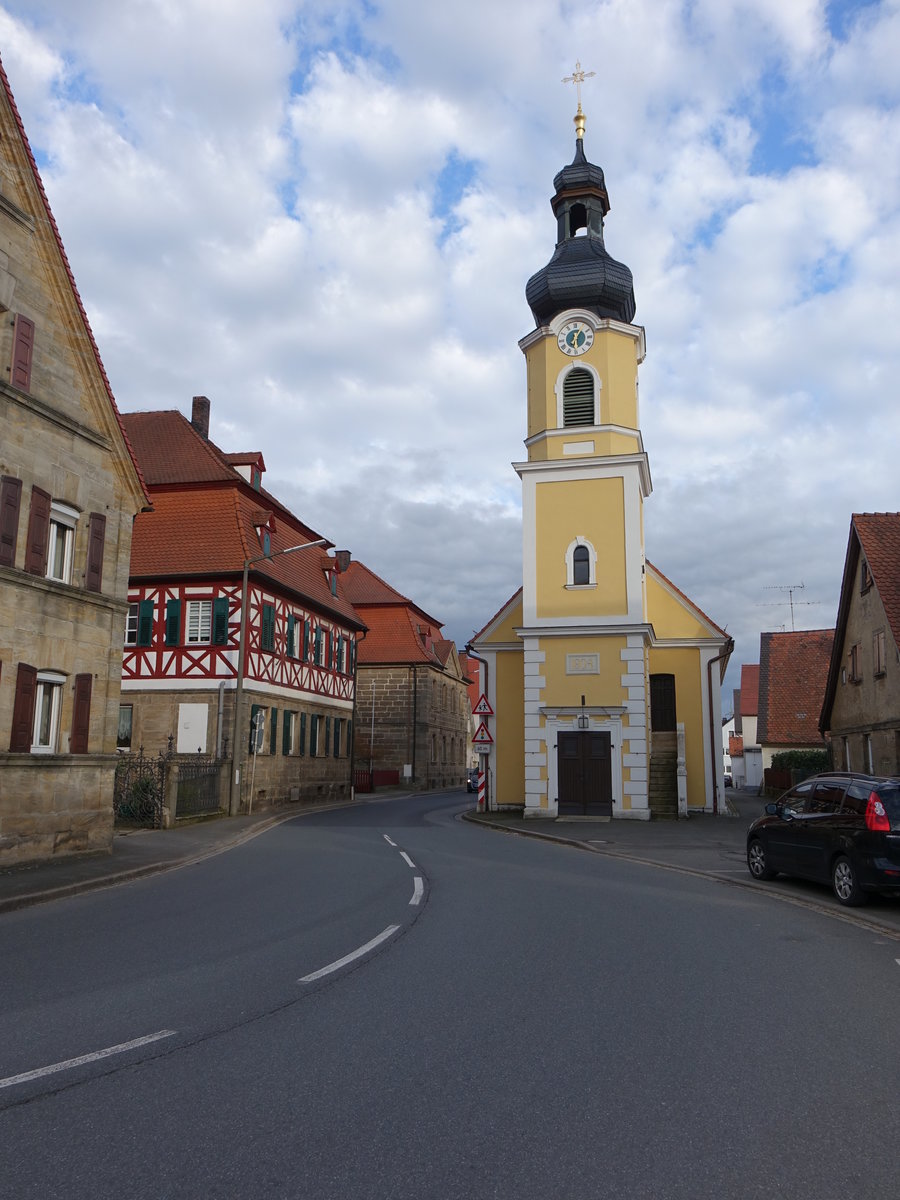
(238, 743)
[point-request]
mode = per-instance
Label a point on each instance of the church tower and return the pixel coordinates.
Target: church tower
(588, 656)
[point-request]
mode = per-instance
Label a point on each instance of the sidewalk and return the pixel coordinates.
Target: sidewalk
(704, 845)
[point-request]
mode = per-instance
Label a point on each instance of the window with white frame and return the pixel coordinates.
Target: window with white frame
(578, 397)
(61, 541)
(131, 624)
(581, 564)
(198, 622)
(47, 702)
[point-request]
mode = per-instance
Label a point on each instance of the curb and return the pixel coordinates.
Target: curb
(847, 918)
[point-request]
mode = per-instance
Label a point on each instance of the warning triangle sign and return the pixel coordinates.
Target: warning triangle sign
(482, 736)
(482, 708)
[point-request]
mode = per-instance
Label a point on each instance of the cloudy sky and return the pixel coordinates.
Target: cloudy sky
(323, 214)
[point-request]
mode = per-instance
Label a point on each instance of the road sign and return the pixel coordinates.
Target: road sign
(482, 737)
(482, 708)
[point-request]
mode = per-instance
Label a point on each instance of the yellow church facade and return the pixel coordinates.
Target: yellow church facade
(604, 679)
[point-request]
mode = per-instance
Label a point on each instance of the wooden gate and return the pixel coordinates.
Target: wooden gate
(584, 763)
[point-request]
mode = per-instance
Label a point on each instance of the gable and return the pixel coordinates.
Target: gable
(502, 626)
(672, 615)
(61, 371)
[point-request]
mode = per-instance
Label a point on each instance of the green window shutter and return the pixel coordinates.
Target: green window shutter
(273, 730)
(220, 621)
(353, 656)
(173, 622)
(327, 736)
(306, 640)
(318, 645)
(268, 627)
(145, 623)
(302, 740)
(291, 622)
(286, 732)
(337, 737)
(349, 737)
(313, 735)
(255, 711)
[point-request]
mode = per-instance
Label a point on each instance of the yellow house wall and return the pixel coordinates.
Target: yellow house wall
(592, 508)
(670, 617)
(564, 690)
(613, 355)
(684, 664)
(508, 758)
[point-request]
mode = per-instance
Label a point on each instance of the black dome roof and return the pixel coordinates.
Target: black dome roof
(581, 274)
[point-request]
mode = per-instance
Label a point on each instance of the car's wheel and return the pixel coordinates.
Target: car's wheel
(845, 883)
(756, 861)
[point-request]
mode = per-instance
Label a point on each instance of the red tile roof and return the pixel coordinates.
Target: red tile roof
(399, 631)
(51, 221)
(879, 536)
(735, 745)
(749, 689)
(793, 670)
(171, 450)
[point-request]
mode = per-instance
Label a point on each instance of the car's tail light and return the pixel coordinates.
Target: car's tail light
(876, 817)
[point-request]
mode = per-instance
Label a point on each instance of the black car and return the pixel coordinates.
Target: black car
(472, 779)
(838, 828)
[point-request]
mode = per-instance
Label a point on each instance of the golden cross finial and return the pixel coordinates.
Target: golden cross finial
(578, 77)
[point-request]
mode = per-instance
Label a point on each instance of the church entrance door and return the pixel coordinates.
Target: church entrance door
(584, 761)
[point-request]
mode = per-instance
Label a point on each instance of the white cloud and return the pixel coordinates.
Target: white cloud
(250, 198)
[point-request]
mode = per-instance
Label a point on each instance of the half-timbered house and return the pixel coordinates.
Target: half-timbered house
(212, 527)
(69, 489)
(413, 704)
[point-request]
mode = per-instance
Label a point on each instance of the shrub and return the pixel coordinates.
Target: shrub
(811, 761)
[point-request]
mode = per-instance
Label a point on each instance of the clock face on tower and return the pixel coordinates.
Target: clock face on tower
(575, 337)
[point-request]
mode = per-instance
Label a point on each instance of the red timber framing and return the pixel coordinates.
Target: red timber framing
(312, 655)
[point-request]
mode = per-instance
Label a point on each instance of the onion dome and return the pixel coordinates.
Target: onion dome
(581, 274)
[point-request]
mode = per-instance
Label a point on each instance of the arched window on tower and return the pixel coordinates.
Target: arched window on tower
(581, 566)
(578, 397)
(577, 220)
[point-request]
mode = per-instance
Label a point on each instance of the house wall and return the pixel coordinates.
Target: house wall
(413, 702)
(59, 434)
(685, 665)
(865, 715)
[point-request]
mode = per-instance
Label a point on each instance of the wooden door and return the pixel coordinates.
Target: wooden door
(584, 765)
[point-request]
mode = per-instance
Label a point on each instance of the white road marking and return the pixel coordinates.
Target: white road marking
(388, 840)
(409, 862)
(354, 954)
(418, 890)
(86, 1058)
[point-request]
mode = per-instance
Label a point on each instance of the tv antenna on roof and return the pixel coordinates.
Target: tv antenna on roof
(790, 588)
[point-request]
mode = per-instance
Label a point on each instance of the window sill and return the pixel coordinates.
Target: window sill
(581, 587)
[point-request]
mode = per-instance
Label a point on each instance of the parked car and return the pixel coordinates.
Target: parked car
(729, 782)
(838, 828)
(472, 780)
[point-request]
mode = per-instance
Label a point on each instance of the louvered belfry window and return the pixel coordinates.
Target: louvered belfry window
(578, 398)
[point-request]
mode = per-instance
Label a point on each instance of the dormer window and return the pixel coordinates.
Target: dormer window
(265, 541)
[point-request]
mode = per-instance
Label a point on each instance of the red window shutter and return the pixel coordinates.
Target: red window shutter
(38, 533)
(10, 498)
(81, 718)
(23, 349)
(96, 540)
(23, 709)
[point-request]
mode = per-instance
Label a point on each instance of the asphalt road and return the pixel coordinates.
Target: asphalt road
(537, 1022)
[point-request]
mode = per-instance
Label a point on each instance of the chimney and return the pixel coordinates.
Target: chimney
(200, 416)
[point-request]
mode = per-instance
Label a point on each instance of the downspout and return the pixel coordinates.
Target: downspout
(488, 797)
(219, 718)
(415, 720)
(714, 741)
(360, 637)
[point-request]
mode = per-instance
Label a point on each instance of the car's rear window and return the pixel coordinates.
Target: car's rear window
(858, 797)
(890, 798)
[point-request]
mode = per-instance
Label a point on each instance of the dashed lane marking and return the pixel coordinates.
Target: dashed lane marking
(418, 890)
(95, 1056)
(409, 862)
(349, 958)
